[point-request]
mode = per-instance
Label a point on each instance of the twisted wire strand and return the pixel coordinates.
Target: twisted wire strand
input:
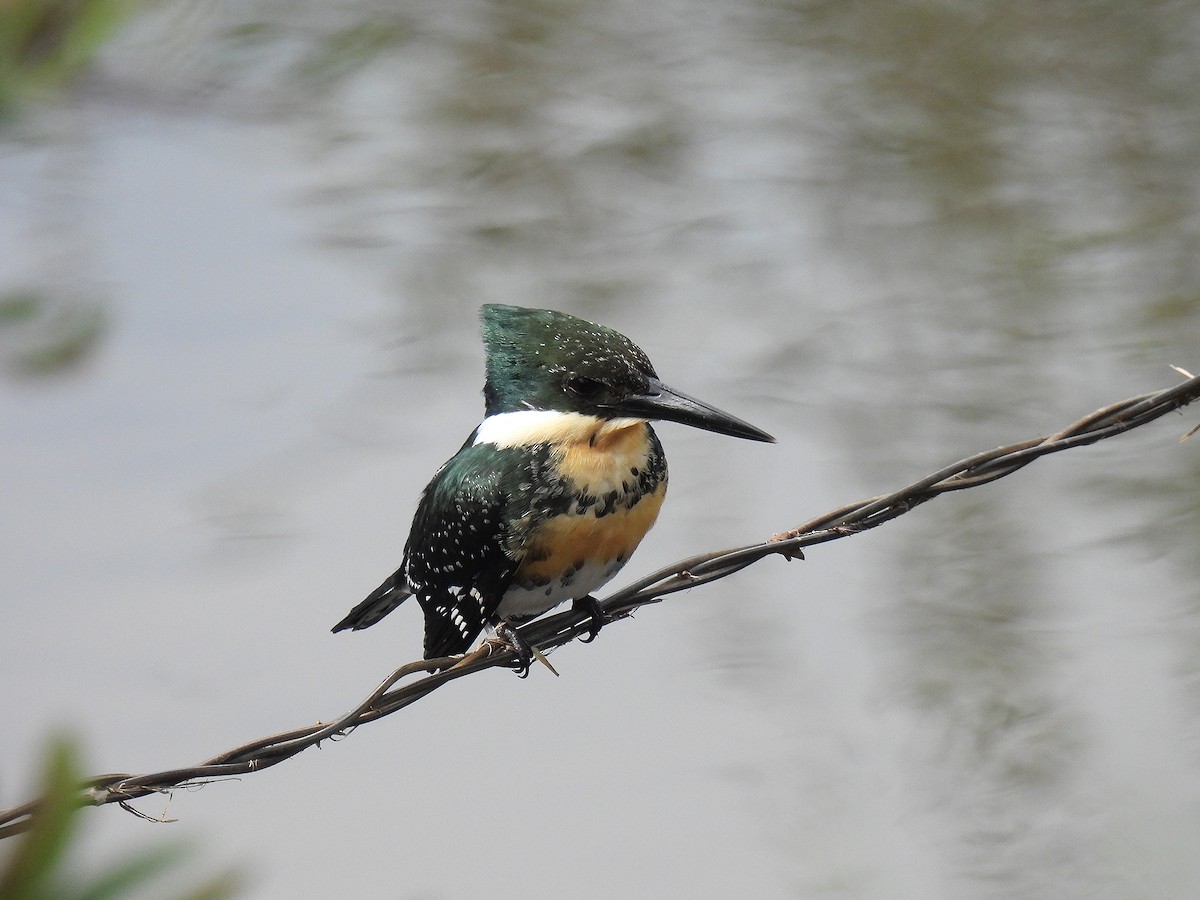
(551, 632)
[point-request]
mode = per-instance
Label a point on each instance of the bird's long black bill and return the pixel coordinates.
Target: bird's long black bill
(662, 402)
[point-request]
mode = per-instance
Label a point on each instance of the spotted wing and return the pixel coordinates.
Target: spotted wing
(468, 537)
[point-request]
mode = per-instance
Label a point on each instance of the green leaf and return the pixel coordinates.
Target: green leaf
(40, 867)
(52, 826)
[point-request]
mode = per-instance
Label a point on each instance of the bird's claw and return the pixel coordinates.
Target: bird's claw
(526, 652)
(592, 607)
(520, 646)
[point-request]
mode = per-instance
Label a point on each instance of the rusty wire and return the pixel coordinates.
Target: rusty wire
(554, 631)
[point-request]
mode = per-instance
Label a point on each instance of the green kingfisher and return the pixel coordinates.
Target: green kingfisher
(551, 494)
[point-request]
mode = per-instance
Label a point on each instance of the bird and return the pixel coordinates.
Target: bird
(553, 491)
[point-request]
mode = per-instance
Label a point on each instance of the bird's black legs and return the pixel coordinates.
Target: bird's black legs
(587, 603)
(522, 647)
(527, 653)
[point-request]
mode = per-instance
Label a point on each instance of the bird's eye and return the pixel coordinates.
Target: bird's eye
(585, 388)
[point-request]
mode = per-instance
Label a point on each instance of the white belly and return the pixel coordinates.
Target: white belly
(521, 603)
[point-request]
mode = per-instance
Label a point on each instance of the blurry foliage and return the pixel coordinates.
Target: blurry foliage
(957, 96)
(350, 49)
(43, 43)
(40, 336)
(40, 866)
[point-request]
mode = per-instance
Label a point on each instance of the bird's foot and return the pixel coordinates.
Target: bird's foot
(591, 606)
(526, 652)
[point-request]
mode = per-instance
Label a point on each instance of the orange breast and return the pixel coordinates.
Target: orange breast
(600, 461)
(568, 542)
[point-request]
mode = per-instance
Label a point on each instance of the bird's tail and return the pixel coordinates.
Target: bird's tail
(378, 604)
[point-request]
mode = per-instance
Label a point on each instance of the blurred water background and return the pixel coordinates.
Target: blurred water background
(242, 250)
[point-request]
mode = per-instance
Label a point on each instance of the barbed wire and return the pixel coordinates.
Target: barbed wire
(551, 632)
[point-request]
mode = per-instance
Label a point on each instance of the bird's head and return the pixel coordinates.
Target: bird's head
(542, 359)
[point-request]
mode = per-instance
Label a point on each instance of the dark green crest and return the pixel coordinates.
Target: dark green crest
(545, 359)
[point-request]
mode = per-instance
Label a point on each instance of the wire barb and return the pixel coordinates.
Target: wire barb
(550, 632)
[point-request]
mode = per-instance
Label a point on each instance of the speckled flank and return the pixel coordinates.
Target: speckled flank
(615, 479)
(572, 555)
